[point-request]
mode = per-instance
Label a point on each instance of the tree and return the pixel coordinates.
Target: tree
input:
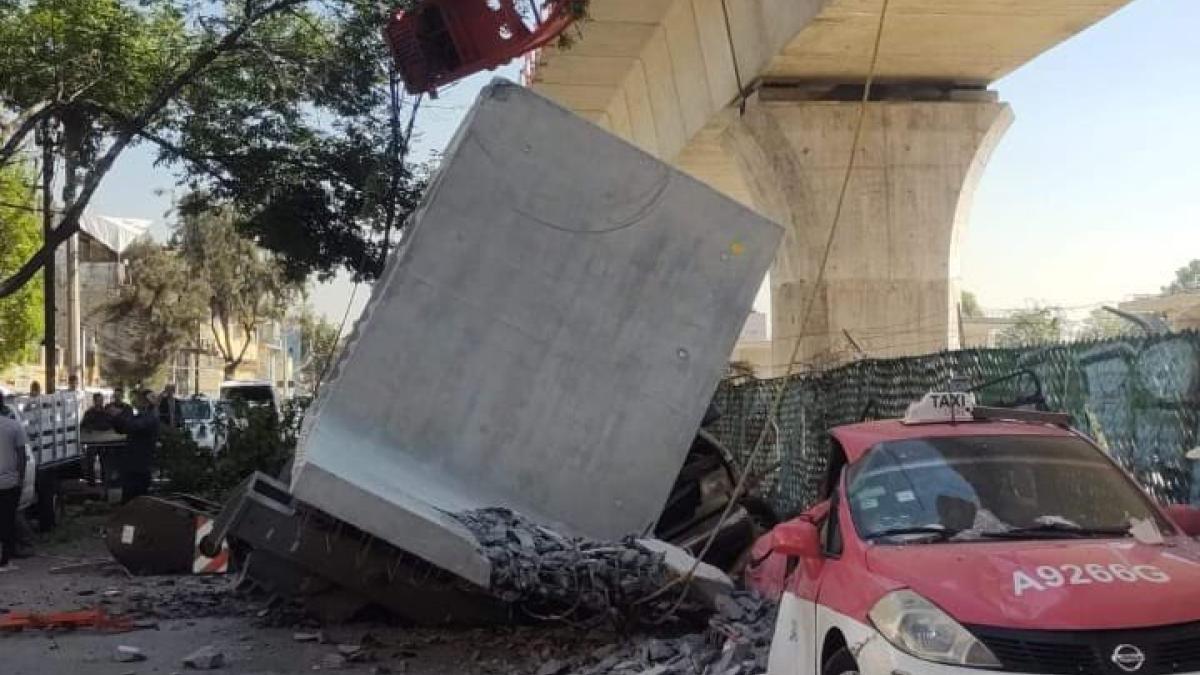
(970, 305)
(1033, 326)
(1187, 279)
(245, 286)
(320, 340)
(159, 312)
(20, 232)
(1102, 324)
(273, 104)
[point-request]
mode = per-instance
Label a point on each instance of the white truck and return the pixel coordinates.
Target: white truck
(54, 452)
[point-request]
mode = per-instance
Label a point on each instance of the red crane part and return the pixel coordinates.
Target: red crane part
(443, 41)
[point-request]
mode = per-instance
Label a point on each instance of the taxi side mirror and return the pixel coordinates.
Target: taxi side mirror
(796, 539)
(1186, 517)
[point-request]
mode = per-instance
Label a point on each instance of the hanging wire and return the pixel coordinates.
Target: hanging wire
(405, 143)
(773, 412)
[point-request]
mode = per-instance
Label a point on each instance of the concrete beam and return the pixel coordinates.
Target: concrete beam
(669, 65)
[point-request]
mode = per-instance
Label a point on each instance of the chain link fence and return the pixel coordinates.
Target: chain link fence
(1139, 397)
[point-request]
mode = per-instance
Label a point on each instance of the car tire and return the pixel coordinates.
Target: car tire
(49, 505)
(841, 663)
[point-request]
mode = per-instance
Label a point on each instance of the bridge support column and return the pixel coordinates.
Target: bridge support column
(891, 286)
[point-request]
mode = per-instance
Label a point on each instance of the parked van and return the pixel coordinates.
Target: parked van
(251, 393)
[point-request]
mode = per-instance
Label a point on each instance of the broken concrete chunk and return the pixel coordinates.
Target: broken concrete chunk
(552, 667)
(205, 658)
(128, 654)
(659, 650)
(707, 583)
(600, 296)
(308, 637)
(729, 608)
(332, 662)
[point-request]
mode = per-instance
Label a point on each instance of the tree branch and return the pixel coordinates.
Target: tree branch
(19, 128)
(245, 345)
(69, 224)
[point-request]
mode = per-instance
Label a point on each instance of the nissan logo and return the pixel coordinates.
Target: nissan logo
(1129, 658)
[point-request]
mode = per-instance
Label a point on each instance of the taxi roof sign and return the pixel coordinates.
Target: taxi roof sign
(939, 407)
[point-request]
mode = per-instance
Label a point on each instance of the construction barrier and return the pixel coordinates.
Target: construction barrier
(1138, 396)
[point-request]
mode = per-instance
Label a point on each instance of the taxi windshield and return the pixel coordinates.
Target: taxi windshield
(982, 487)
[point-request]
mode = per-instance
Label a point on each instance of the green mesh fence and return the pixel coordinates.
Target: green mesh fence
(1137, 396)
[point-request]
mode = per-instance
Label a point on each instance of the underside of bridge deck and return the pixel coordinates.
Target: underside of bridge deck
(760, 98)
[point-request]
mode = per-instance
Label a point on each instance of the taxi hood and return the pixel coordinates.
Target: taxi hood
(1061, 584)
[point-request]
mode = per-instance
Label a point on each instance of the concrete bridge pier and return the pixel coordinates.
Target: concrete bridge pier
(892, 284)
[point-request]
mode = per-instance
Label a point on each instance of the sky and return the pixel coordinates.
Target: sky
(1092, 196)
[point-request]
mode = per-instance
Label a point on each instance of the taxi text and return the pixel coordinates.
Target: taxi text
(1046, 576)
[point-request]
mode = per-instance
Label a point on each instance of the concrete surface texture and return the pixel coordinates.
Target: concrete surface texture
(665, 74)
(546, 340)
(892, 281)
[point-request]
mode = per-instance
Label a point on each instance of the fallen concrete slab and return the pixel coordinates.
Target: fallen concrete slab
(545, 340)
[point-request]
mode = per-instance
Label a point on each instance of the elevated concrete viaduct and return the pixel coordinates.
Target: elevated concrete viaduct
(760, 98)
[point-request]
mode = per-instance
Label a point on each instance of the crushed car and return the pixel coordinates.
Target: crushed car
(964, 538)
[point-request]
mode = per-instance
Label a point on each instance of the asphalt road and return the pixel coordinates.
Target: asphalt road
(188, 613)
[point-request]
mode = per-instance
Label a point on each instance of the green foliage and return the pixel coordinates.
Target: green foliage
(1038, 325)
(1102, 325)
(970, 305)
(307, 154)
(1187, 279)
(320, 340)
(257, 440)
(279, 107)
(245, 286)
(159, 312)
(20, 232)
(110, 51)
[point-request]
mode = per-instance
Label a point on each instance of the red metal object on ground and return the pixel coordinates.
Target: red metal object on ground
(87, 618)
(442, 41)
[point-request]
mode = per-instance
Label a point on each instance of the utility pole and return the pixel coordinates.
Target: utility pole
(74, 320)
(48, 307)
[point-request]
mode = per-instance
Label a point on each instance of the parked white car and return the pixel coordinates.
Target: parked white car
(202, 420)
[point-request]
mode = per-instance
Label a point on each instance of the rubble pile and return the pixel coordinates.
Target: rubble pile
(551, 576)
(554, 577)
(736, 642)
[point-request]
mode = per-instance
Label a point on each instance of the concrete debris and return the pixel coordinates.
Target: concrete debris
(205, 658)
(128, 654)
(707, 581)
(736, 642)
(308, 637)
(553, 667)
(331, 662)
(550, 576)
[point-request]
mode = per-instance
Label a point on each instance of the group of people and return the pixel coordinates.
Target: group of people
(139, 423)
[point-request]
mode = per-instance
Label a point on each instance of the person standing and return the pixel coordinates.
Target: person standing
(141, 432)
(117, 407)
(170, 411)
(97, 417)
(35, 389)
(12, 476)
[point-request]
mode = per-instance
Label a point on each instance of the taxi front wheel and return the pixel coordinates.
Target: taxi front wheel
(841, 663)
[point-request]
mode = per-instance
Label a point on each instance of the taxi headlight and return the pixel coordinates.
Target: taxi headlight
(914, 625)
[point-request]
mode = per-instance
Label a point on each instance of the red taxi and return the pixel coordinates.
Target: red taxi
(963, 539)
